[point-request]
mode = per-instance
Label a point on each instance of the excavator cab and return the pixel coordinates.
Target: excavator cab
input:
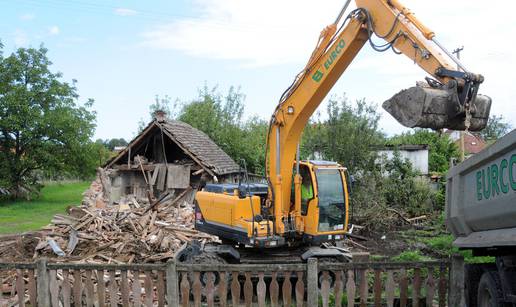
(324, 201)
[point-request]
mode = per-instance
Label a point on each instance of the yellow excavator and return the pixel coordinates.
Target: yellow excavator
(303, 208)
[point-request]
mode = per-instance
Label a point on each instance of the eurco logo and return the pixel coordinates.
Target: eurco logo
(317, 76)
(496, 178)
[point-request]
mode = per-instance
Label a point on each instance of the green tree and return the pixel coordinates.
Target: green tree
(164, 104)
(496, 128)
(220, 117)
(112, 143)
(402, 190)
(347, 136)
(440, 147)
(43, 127)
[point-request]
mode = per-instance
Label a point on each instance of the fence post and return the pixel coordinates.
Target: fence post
(43, 288)
(312, 280)
(456, 284)
(172, 284)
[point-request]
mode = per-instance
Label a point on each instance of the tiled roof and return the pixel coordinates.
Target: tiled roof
(192, 141)
(199, 145)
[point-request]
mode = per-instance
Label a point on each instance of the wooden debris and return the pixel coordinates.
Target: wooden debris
(133, 231)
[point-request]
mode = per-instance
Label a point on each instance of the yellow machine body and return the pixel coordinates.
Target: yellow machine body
(274, 214)
(235, 212)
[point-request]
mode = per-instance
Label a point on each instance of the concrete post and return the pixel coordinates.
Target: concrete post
(172, 284)
(42, 283)
(456, 282)
(312, 280)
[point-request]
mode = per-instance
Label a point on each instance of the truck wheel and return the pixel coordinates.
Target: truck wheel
(473, 273)
(490, 290)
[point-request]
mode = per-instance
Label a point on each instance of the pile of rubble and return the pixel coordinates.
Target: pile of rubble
(126, 231)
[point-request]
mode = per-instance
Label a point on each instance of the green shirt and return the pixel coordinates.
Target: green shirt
(306, 192)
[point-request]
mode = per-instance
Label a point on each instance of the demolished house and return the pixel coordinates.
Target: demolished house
(167, 157)
(139, 208)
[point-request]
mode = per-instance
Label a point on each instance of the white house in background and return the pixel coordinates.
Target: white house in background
(416, 154)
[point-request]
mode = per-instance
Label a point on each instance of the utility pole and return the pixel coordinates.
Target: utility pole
(461, 133)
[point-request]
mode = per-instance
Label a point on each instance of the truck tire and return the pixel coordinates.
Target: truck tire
(473, 273)
(490, 290)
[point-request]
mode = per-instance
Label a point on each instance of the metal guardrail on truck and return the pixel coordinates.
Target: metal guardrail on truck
(481, 215)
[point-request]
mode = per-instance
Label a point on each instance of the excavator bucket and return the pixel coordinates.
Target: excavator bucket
(437, 108)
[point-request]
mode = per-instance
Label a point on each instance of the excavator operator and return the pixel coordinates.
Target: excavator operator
(306, 189)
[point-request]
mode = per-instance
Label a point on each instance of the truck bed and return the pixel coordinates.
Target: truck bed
(481, 197)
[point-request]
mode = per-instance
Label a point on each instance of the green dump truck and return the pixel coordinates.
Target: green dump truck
(481, 215)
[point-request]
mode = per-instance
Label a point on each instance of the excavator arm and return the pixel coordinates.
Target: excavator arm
(449, 100)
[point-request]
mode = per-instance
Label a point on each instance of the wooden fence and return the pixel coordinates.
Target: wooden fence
(437, 283)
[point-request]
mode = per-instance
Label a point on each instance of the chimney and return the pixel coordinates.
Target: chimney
(160, 116)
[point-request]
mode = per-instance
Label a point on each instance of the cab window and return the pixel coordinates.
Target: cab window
(332, 203)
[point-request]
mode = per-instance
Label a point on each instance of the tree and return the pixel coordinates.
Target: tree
(441, 148)
(496, 128)
(220, 117)
(164, 104)
(43, 127)
(348, 135)
(112, 143)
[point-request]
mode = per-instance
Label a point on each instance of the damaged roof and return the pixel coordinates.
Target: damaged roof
(193, 142)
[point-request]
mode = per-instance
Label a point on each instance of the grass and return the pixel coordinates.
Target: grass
(443, 244)
(20, 215)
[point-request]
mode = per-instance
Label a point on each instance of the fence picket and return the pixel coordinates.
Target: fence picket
(185, 290)
(90, 291)
(416, 289)
(77, 288)
(300, 289)
(287, 289)
(351, 288)
(389, 289)
(274, 290)
(20, 288)
(160, 288)
(223, 290)
(66, 289)
(364, 291)
(325, 288)
(124, 287)
(101, 288)
(196, 288)
(377, 288)
(113, 289)
(338, 289)
(54, 288)
(210, 289)
(403, 288)
(33, 298)
(137, 289)
(442, 286)
(149, 294)
(235, 289)
(248, 290)
(261, 290)
(430, 287)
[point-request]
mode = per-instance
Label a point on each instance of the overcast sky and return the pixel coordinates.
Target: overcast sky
(123, 53)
